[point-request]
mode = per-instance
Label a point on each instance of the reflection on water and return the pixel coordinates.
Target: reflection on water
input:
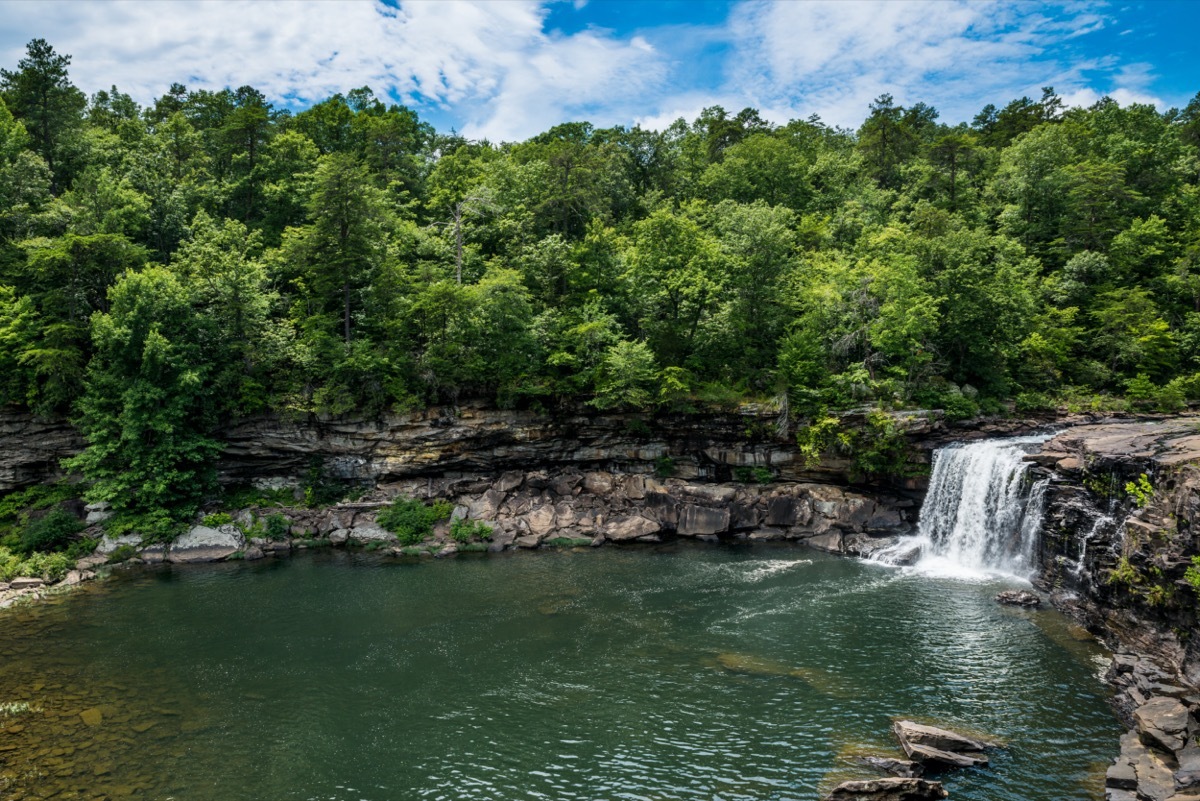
(669, 673)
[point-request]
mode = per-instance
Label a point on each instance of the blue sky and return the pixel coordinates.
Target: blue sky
(507, 69)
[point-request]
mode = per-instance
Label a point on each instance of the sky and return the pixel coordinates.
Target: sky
(508, 69)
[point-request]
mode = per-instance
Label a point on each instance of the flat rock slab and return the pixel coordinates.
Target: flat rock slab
(942, 739)
(1162, 723)
(926, 753)
(895, 789)
(204, 544)
(1140, 772)
(903, 768)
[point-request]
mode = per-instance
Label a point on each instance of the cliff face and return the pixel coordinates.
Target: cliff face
(31, 448)
(1118, 558)
(704, 446)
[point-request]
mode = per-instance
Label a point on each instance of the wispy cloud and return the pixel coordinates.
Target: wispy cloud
(493, 69)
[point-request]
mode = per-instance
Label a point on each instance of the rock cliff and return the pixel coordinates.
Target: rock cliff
(1122, 522)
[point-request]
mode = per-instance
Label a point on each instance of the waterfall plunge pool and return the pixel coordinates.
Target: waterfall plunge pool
(668, 672)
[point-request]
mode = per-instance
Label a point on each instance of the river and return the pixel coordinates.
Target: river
(678, 671)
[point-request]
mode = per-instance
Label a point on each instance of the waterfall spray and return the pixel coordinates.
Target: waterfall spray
(981, 515)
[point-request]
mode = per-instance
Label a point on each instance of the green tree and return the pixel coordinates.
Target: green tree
(147, 414)
(39, 92)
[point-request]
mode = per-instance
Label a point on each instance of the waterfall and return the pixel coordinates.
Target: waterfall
(981, 515)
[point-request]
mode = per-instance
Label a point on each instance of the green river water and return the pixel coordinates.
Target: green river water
(673, 672)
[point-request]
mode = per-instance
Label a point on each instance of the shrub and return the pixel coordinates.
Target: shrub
(156, 526)
(879, 449)
(1192, 576)
(1124, 573)
(1141, 491)
(813, 440)
(1034, 402)
(123, 553)
(664, 467)
(48, 566)
(412, 521)
(277, 527)
(218, 519)
(53, 532)
(463, 530)
(959, 407)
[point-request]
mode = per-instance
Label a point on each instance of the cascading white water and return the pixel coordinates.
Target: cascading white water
(981, 514)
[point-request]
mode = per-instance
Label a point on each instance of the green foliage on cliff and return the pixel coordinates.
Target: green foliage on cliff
(1140, 491)
(165, 269)
(411, 520)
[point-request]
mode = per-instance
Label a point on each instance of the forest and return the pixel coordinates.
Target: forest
(169, 268)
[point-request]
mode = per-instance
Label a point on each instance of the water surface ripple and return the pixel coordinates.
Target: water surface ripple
(717, 673)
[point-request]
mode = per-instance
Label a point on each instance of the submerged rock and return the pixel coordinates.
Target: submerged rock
(894, 789)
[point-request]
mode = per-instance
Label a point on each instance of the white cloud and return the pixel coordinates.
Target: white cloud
(492, 67)
(491, 61)
(833, 58)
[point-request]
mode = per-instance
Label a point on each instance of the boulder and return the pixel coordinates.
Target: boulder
(694, 520)
(903, 768)
(25, 583)
(509, 481)
(365, 534)
(566, 483)
(153, 554)
(541, 520)
(1140, 772)
(528, 541)
(894, 789)
(598, 483)
(204, 544)
(97, 513)
(108, 543)
(926, 753)
(831, 542)
(630, 528)
(1018, 598)
(339, 536)
(253, 553)
(784, 511)
(912, 732)
(1162, 723)
(88, 562)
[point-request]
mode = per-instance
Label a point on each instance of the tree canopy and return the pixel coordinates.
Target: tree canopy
(166, 269)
